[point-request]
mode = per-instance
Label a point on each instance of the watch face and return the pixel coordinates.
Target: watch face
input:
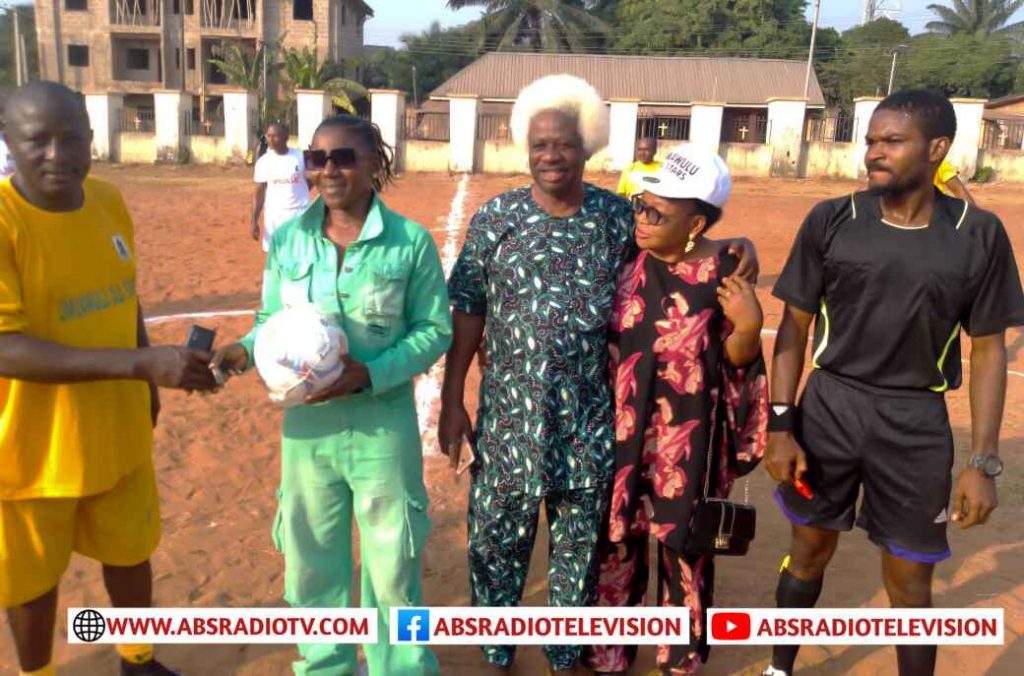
(992, 466)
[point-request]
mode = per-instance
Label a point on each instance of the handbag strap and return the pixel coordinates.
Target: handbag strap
(711, 446)
(711, 450)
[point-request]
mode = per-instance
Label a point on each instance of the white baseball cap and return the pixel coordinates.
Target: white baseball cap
(691, 173)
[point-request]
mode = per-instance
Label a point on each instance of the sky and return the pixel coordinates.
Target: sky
(396, 17)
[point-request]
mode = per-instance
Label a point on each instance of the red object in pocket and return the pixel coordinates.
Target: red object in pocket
(803, 489)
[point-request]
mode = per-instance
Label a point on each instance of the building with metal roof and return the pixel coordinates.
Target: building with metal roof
(653, 80)
(665, 88)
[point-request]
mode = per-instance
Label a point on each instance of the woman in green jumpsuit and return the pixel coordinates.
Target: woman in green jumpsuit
(355, 450)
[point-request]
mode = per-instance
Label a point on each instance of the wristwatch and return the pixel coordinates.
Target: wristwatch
(990, 466)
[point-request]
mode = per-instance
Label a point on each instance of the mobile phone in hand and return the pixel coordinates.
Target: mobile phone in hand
(200, 339)
(466, 458)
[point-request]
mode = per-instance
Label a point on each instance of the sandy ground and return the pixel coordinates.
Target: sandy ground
(217, 457)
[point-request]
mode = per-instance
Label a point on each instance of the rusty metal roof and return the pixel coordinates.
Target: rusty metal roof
(651, 79)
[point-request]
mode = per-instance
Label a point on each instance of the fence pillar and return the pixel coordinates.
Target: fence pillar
(462, 117)
(239, 123)
(171, 109)
(387, 110)
(313, 107)
(706, 125)
(104, 116)
(963, 154)
(622, 140)
(863, 109)
(786, 119)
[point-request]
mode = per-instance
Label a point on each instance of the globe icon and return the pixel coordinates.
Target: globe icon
(88, 625)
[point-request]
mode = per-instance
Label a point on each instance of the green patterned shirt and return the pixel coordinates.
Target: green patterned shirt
(546, 286)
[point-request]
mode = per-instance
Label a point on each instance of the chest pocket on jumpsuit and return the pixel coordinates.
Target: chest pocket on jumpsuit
(384, 304)
(296, 283)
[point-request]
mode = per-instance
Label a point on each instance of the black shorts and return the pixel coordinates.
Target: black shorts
(898, 446)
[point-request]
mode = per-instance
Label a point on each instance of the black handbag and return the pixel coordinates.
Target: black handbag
(719, 527)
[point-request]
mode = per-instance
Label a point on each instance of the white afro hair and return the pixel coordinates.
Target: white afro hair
(570, 95)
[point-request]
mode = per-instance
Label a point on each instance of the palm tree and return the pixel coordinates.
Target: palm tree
(981, 18)
(241, 66)
(541, 25)
(307, 72)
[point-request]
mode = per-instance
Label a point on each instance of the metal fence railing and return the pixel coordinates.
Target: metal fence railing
(747, 129)
(136, 121)
(213, 125)
(663, 128)
(494, 127)
(427, 126)
(1003, 134)
(831, 129)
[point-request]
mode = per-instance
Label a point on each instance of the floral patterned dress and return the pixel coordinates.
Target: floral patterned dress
(674, 394)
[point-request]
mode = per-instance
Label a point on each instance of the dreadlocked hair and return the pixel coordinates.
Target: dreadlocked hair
(371, 136)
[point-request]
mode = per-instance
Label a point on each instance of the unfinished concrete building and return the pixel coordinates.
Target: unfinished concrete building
(137, 47)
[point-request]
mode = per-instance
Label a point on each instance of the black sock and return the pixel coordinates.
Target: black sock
(793, 592)
(916, 660)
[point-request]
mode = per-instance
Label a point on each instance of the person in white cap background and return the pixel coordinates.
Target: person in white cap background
(686, 354)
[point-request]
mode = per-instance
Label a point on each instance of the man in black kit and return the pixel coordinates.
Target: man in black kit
(890, 276)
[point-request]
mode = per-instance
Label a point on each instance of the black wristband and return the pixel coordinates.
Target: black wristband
(781, 417)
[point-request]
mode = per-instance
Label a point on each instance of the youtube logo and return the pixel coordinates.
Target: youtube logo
(730, 626)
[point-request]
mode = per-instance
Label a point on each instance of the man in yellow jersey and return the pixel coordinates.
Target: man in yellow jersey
(630, 184)
(77, 380)
(947, 179)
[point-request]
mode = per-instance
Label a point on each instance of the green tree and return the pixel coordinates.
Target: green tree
(242, 66)
(960, 65)
(976, 17)
(861, 61)
(540, 25)
(436, 55)
(306, 71)
(717, 27)
(27, 26)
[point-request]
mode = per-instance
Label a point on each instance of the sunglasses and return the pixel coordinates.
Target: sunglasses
(342, 158)
(650, 214)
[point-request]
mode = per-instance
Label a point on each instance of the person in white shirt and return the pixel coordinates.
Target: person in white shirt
(282, 192)
(6, 159)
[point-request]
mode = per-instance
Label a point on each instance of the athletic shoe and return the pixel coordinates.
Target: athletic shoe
(150, 668)
(772, 671)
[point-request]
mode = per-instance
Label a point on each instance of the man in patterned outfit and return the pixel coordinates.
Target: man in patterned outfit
(539, 269)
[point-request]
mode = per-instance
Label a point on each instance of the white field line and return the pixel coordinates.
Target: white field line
(428, 387)
(164, 319)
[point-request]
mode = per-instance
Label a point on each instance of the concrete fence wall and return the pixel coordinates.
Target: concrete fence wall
(1008, 165)
(785, 154)
(426, 156)
(829, 160)
(747, 159)
(136, 148)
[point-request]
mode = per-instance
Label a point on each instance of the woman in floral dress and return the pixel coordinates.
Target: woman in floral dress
(686, 362)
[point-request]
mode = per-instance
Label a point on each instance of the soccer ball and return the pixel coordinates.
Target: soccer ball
(298, 353)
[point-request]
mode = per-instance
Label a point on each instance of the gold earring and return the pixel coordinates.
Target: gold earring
(690, 245)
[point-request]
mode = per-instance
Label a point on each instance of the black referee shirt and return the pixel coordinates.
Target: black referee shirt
(890, 301)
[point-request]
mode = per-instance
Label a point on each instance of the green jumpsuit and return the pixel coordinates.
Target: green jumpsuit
(360, 455)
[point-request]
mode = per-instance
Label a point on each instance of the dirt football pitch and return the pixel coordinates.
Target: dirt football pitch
(217, 457)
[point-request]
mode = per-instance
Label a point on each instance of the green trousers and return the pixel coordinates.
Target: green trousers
(356, 457)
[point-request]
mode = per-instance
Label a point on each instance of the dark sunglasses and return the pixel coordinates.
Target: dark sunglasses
(342, 158)
(650, 214)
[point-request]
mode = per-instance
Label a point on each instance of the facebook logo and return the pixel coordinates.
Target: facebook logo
(413, 624)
